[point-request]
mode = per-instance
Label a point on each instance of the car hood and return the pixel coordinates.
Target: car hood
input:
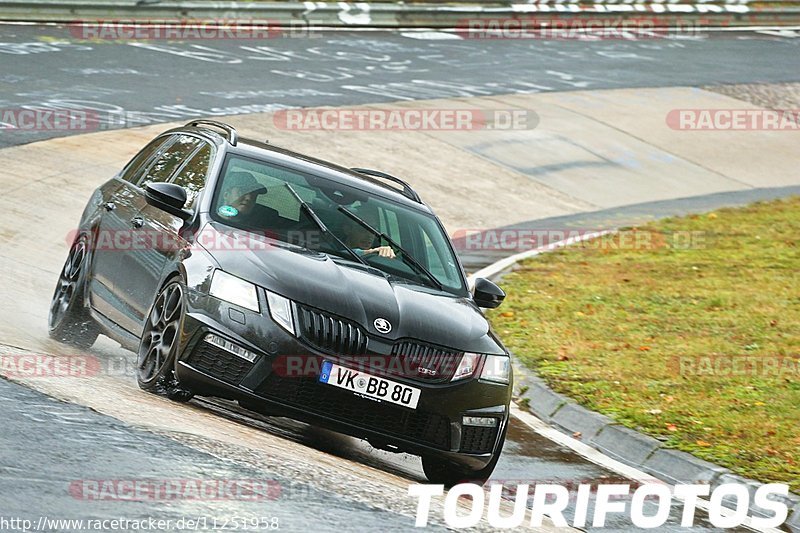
(361, 294)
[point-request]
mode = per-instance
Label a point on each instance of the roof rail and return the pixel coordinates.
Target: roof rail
(232, 135)
(407, 190)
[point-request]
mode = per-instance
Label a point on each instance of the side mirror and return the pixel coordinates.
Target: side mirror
(486, 294)
(167, 197)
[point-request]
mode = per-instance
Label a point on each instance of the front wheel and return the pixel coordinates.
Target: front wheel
(442, 473)
(155, 367)
(68, 320)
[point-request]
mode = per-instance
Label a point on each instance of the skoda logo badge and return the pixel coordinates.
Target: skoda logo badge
(382, 325)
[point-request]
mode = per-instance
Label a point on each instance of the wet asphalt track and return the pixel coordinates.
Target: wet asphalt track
(45, 444)
(52, 452)
(149, 82)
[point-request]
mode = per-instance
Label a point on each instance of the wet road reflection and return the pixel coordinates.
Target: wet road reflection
(528, 458)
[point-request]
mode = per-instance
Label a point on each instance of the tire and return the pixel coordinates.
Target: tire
(440, 472)
(68, 320)
(158, 348)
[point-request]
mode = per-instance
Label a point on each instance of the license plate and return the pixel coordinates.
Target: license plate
(369, 386)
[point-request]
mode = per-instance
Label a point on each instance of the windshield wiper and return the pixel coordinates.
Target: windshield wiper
(404, 255)
(321, 225)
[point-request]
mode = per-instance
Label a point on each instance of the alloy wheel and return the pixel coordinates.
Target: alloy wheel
(161, 333)
(68, 282)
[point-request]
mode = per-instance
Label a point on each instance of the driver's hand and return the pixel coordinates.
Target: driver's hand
(383, 251)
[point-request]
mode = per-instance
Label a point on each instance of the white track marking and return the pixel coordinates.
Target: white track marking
(599, 458)
(431, 35)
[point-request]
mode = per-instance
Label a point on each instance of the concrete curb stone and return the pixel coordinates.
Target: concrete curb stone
(792, 501)
(541, 400)
(544, 402)
(681, 467)
(752, 487)
(573, 419)
(625, 445)
(793, 522)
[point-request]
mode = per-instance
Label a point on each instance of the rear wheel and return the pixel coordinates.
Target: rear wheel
(68, 320)
(443, 473)
(155, 368)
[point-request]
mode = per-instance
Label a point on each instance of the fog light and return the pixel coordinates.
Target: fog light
(480, 421)
(228, 346)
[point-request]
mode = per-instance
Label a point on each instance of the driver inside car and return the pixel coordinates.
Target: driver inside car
(362, 240)
(241, 191)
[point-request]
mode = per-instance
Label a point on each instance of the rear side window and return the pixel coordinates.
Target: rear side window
(192, 176)
(170, 159)
(131, 171)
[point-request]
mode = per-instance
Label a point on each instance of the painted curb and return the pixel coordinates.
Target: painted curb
(620, 443)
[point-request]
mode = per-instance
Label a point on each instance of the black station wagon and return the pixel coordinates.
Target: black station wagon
(296, 287)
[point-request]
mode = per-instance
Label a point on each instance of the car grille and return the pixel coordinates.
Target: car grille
(331, 402)
(425, 362)
(219, 363)
(476, 439)
(416, 360)
(331, 334)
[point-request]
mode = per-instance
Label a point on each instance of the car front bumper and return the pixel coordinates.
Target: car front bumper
(434, 428)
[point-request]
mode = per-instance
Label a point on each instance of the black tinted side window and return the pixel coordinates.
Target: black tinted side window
(171, 158)
(192, 176)
(131, 171)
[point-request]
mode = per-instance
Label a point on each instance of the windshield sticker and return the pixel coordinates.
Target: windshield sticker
(228, 211)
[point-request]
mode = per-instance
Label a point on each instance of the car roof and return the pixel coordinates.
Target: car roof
(312, 165)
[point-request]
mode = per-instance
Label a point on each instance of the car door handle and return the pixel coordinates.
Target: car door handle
(110, 206)
(137, 222)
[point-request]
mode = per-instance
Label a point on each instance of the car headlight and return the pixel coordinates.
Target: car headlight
(234, 290)
(497, 369)
(280, 309)
(467, 366)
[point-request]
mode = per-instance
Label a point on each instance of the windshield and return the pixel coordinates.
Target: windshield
(253, 195)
